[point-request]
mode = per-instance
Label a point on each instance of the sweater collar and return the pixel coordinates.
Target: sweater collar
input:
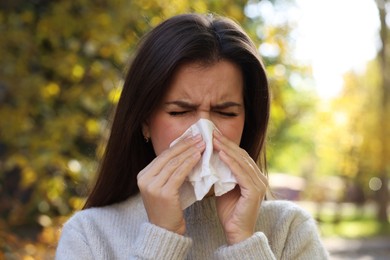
(204, 210)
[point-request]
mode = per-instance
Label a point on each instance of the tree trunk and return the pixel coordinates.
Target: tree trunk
(383, 193)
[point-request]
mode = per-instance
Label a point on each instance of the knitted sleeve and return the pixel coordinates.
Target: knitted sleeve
(154, 242)
(296, 238)
(255, 247)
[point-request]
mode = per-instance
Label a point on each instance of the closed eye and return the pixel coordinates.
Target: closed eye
(177, 113)
(227, 114)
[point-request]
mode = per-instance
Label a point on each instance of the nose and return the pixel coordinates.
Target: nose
(205, 114)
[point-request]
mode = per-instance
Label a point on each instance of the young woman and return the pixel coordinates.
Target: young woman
(190, 67)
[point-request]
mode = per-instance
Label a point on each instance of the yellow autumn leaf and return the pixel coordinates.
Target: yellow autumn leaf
(50, 90)
(77, 72)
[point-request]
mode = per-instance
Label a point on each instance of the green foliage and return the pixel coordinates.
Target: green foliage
(354, 226)
(349, 145)
(62, 69)
(290, 145)
(63, 64)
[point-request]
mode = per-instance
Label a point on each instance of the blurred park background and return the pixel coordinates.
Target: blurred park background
(62, 65)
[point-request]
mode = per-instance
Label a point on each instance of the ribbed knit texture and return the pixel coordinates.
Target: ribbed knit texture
(122, 231)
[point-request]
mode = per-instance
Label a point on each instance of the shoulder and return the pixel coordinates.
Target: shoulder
(291, 230)
(284, 207)
(96, 231)
(283, 213)
(91, 218)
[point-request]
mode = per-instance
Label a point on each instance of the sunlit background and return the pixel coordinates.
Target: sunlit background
(62, 67)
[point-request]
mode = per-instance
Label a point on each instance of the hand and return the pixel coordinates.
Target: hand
(238, 209)
(159, 183)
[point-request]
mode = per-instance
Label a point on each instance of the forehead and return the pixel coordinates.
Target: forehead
(222, 79)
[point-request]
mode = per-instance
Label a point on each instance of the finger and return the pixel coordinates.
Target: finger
(175, 164)
(232, 149)
(240, 156)
(245, 175)
(156, 165)
(177, 179)
(223, 143)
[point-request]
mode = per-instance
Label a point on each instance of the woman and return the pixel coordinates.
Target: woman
(190, 67)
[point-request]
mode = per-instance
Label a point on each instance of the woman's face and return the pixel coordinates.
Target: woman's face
(213, 92)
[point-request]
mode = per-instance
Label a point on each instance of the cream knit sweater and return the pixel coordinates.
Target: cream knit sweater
(122, 231)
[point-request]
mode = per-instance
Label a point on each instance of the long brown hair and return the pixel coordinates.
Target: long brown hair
(183, 38)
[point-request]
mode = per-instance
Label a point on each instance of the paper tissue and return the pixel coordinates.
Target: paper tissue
(209, 171)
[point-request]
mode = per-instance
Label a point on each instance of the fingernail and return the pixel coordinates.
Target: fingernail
(217, 141)
(200, 145)
(217, 133)
(196, 155)
(197, 137)
(222, 153)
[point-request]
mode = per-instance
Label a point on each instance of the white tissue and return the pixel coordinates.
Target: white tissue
(209, 171)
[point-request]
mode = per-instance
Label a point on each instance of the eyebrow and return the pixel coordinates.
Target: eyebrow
(227, 105)
(187, 105)
(182, 104)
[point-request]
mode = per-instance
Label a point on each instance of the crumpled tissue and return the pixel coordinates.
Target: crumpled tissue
(209, 171)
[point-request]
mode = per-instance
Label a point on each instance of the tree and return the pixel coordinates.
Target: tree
(290, 146)
(62, 69)
(384, 128)
(356, 147)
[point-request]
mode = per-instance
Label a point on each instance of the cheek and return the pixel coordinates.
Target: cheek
(162, 137)
(163, 132)
(232, 130)
(233, 134)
